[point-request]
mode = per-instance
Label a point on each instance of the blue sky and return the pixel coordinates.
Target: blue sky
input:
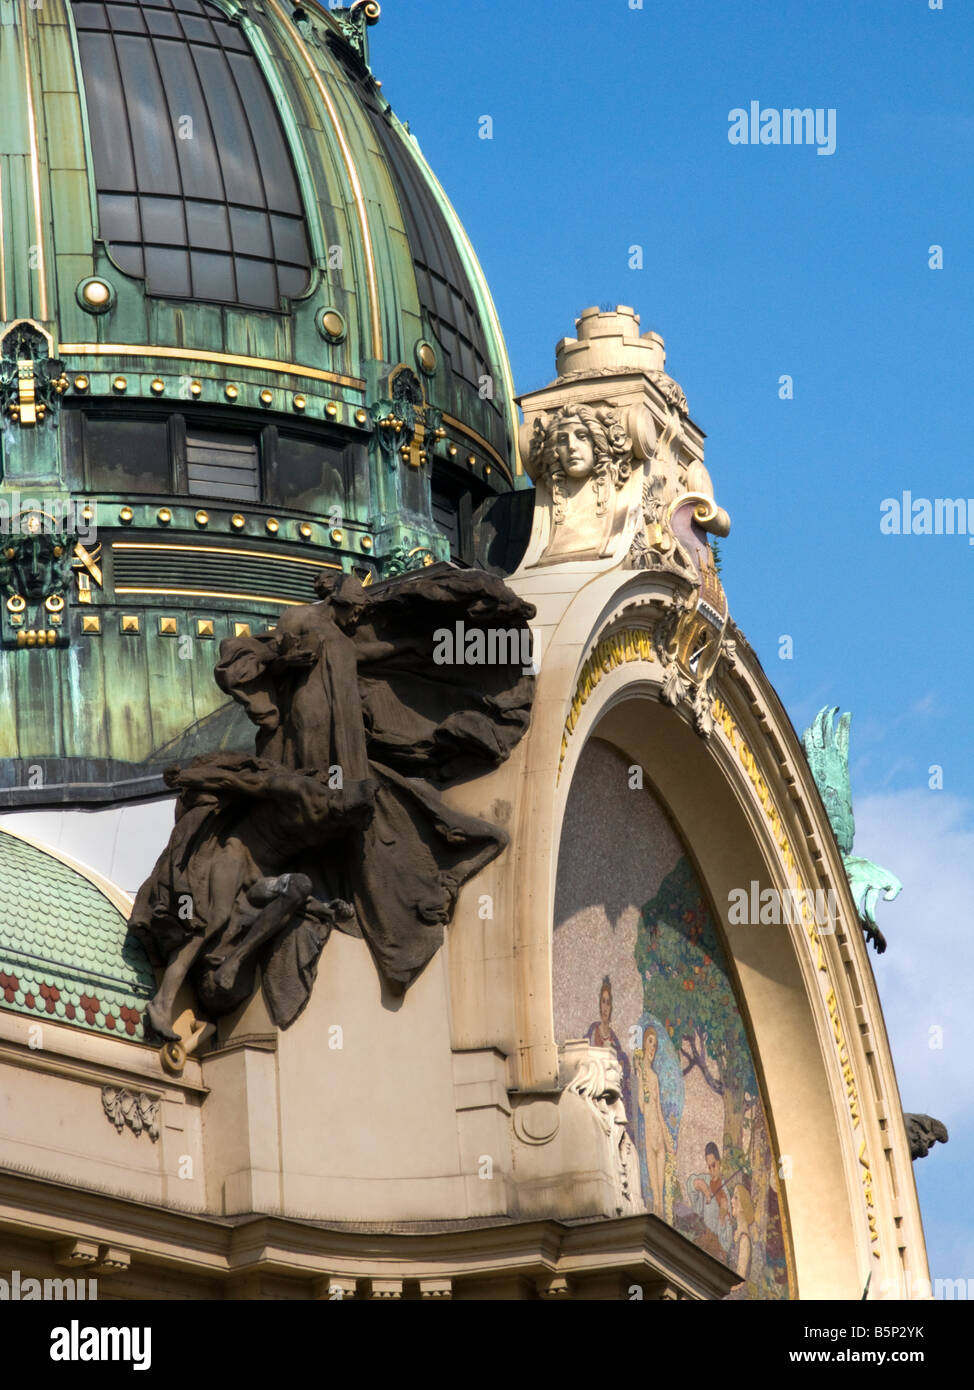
(610, 129)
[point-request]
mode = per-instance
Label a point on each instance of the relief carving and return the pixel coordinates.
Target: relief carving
(134, 1109)
(583, 455)
(598, 1081)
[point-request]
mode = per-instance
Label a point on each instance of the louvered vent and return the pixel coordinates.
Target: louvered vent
(213, 572)
(220, 464)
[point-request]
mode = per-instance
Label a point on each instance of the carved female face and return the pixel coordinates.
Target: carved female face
(573, 448)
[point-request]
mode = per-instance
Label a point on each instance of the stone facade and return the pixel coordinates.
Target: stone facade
(448, 1142)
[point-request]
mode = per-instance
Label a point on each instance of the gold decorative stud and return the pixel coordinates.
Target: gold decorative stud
(204, 627)
(337, 536)
(471, 459)
(90, 623)
(202, 518)
(120, 385)
(164, 516)
(231, 392)
(273, 525)
(95, 294)
(241, 629)
(195, 388)
(305, 531)
(426, 358)
(299, 402)
(366, 542)
(331, 410)
(88, 513)
(452, 451)
(332, 324)
(361, 416)
(238, 522)
(487, 470)
(130, 622)
(126, 514)
(157, 386)
(169, 627)
(266, 397)
(81, 383)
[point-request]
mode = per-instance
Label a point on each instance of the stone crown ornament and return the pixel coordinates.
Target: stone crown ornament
(617, 462)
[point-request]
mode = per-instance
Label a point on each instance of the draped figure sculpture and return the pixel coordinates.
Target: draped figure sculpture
(338, 818)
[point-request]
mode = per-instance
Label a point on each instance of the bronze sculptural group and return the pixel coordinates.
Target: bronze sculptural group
(338, 818)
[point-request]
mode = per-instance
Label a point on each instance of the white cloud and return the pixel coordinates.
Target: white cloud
(926, 980)
(926, 977)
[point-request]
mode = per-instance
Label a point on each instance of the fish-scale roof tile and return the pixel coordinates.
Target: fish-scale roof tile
(65, 952)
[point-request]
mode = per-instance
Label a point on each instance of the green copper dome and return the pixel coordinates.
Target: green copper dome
(234, 175)
(64, 953)
(243, 336)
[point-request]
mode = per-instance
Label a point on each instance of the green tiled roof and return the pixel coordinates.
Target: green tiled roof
(65, 953)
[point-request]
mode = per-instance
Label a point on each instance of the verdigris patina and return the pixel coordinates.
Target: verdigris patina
(337, 820)
(827, 749)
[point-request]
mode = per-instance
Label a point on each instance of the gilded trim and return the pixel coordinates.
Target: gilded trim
(476, 271)
(217, 593)
(228, 359)
(623, 645)
(3, 261)
(35, 172)
(463, 429)
(353, 178)
(220, 550)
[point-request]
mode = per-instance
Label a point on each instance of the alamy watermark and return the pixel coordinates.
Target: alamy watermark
(77, 1343)
(25, 515)
(755, 906)
(907, 515)
(792, 125)
(487, 646)
(16, 1289)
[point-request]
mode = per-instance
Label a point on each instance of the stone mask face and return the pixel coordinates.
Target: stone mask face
(573, 448)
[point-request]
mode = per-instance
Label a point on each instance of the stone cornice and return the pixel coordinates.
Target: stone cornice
(640, 1249)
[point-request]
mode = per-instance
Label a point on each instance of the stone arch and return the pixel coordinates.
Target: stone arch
(776, 1008)
(696, 782)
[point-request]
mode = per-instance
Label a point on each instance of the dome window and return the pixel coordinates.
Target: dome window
(197, 193)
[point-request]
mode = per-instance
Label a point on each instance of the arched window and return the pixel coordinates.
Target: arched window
(196, 189)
